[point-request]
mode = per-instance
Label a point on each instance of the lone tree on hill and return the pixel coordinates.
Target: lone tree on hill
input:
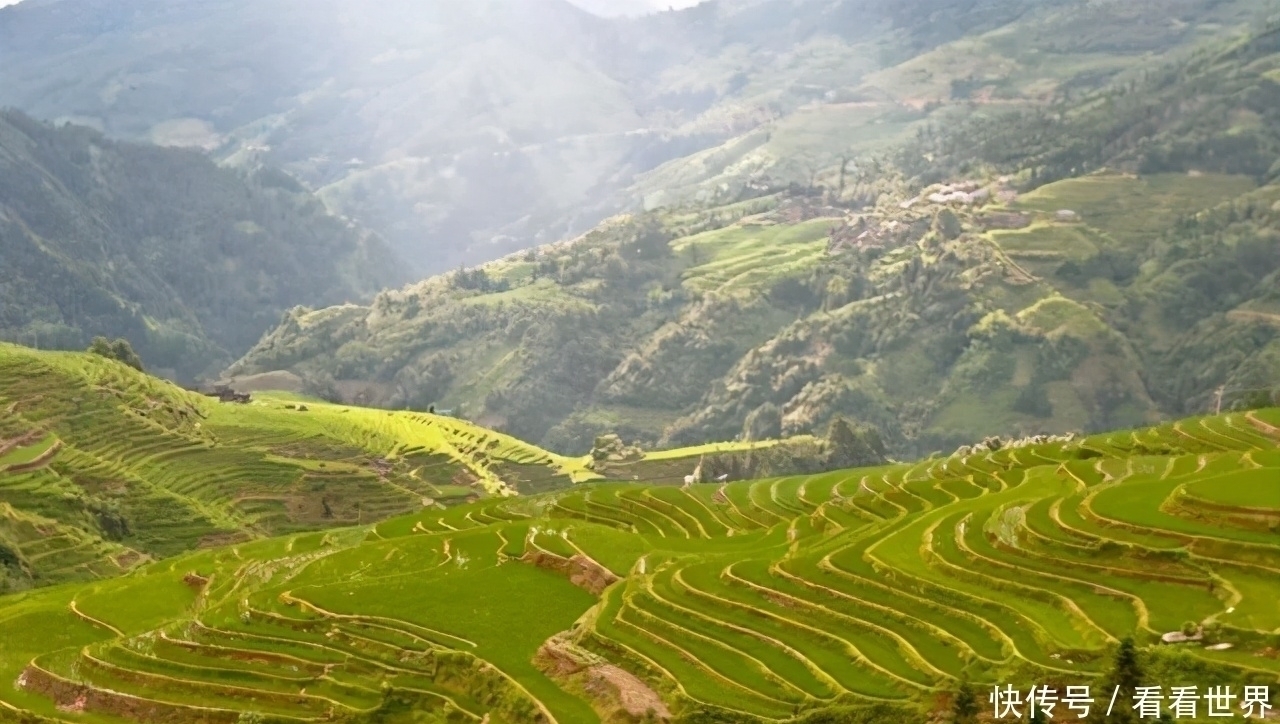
(119, 350)
(947, 225)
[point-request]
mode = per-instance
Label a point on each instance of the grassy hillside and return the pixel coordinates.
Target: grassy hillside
(189, 261)
(862, 596)
(103, 468)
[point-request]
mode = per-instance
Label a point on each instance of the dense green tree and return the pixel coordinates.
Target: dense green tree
(1034, 400)
(964, 707)
(763, 423)
(850, 446)
(947, 225)
(119, 350)
(1256, 399)
(1126, 676)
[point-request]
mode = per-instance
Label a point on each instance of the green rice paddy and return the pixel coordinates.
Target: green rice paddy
(759, 601)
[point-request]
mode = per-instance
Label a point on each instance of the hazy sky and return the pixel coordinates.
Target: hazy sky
(631, 7)
(655, 3)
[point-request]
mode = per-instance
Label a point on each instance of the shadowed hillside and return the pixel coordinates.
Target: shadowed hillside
(189, 261)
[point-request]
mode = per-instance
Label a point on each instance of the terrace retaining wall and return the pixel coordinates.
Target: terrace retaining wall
(79, 697)
(580, 570)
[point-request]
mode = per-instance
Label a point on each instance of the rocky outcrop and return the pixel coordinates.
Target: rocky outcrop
(610, 449)
(580, 570)
(617, 695)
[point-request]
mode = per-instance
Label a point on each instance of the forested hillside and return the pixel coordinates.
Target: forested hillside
(1105, 260)
(189, 261)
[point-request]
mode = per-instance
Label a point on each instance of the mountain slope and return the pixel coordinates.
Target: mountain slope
(865, 596)
(1198, 288)
(189, 261)
(103, 468)
(933, 63)
(996, 305)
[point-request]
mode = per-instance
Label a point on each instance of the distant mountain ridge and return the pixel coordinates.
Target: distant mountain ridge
(438, 124)
(464, 131)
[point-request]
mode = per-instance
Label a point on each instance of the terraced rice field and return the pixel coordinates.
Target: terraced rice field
(873, 591)
(745, 257)
(103, 468)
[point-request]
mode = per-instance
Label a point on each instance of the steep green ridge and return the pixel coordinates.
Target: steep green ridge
(1048, 287)
(103, 468)
(861, 595)
(191, 262)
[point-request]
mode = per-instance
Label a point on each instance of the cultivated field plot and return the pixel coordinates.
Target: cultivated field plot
(873, 590)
